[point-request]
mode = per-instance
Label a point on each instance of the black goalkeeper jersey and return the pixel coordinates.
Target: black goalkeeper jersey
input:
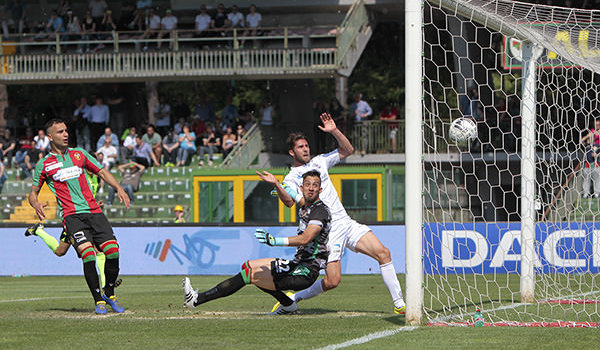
(315, 253)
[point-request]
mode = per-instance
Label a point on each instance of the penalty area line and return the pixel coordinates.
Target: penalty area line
(367, 338)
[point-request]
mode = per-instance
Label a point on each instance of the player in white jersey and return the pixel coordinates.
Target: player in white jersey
(345, 232)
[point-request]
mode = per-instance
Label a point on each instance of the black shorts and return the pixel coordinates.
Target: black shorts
(87, 227)
(289, 275)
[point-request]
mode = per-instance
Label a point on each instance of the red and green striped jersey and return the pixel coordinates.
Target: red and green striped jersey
(66, 178)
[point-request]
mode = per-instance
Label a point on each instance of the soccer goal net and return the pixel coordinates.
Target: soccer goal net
(510, 219)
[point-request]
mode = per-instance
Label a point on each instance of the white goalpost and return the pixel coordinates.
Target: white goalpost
(509, 222)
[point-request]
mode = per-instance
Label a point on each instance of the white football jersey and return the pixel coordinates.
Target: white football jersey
(329, 196)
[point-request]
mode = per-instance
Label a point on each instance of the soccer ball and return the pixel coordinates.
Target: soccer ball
(463, 129)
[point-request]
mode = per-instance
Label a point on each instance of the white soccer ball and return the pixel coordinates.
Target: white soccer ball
(463, 129)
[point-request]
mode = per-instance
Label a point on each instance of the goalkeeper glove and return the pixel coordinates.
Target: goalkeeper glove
(268, 239)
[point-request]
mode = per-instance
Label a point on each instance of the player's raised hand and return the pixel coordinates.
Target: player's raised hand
(267, 177)
(328, 123)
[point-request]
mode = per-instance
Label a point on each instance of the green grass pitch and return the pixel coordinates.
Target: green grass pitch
(57, 313)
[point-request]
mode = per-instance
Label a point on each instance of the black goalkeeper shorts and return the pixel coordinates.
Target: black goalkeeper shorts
(88, 227)
(289, 275)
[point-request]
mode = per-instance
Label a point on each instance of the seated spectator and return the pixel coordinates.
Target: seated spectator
(168, 25)
(73, 29)
(131, 173)
(162, 112)
(2, 175)
(219, 21)
(8, 145)
(210, 145)
(253, 23)
(128, 144)
(240, 133)
(202, 23)
(107, 154)
(152, 138)
(26, 156)
(108, 133)
(55, 26)
(187, 146)
(88, 28)
(235, 18)
(151, 26)
(143, 153)
(229, 141)
(141, 12)
(178, 128)
(15, 19)
(170, 144)
(42, 144)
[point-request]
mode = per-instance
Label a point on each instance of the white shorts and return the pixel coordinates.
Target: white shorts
(345, 233)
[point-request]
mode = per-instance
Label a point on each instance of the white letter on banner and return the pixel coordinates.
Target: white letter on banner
(481, 249)
(551, 244)
(596, 248)
(503, 254)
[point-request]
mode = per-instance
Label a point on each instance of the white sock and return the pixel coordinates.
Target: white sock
(309, 292)
(388, 272)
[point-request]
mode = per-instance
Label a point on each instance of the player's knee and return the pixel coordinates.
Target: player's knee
(383, 255)
(246, 272)
(331, 282)
(110, 249)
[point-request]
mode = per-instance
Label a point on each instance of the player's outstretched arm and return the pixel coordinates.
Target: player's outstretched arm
(285, 197)
(35, 203)
(305, 238)
(112, 181)
(344, 146)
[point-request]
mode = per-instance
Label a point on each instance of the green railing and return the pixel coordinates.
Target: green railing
(245, 151)
(356, 19)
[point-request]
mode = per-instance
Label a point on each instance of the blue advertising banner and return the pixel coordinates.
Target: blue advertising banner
(179, 250)
(496, 248)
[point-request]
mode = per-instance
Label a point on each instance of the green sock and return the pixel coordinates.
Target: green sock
(51, 242)
(100, 260)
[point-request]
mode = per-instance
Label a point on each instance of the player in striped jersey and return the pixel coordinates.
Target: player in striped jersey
(63, 170)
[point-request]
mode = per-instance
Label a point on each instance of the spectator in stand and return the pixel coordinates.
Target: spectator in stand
(63, 7)
(88, 28)
(210, 145)
(390, 116)
(42, 144)
(187, 146)
(107, 154)
(107, 25)
(152, 138)
(591, 169)
(170, 144)
(73, 29)
(116, 104)
(202, 24)
(229, 141)
(179, 215)
(360, 109)
(267, 113)
(126, 20)
(181, 110)
(2, 175)
(127, 151)
(168, 25)
(236, 18)
(16, 17)
(108, 133)
(253, 23)
(219, 21)
(98, 120)
(229, 112)
(142, 153)
(151, 25)
(204, 110)
(25, 156)
(178, 128)
(141, 12)
(80, 118)
(97, 9)
(131, 173)
(199, 128)
(240, 133)
(55, 26)
(162, 112)
(8, 145)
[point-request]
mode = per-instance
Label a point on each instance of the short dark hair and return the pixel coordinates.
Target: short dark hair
(293, 137)
(311, 173)
(51, 122)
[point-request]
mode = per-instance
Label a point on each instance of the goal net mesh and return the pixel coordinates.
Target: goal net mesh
(473, 57)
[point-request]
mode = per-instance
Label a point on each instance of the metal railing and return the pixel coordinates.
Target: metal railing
(121, 56)
(377, 136)
(245, 151)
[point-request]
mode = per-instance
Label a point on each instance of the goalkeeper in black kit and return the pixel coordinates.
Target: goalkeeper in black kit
(274, 275)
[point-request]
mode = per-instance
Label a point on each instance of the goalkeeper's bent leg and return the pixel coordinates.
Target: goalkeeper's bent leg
(227, 287)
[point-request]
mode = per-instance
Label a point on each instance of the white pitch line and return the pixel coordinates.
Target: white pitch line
(367, 338)
(37, 299)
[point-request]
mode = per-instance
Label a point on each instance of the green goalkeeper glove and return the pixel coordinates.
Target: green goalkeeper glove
(268, 239)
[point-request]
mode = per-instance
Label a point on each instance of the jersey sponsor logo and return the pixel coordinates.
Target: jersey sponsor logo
(69, 173)
(53, 166)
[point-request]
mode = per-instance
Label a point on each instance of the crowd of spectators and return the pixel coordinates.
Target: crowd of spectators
(137, 19)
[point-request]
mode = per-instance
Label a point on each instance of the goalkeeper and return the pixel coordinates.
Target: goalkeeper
(275, 275)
